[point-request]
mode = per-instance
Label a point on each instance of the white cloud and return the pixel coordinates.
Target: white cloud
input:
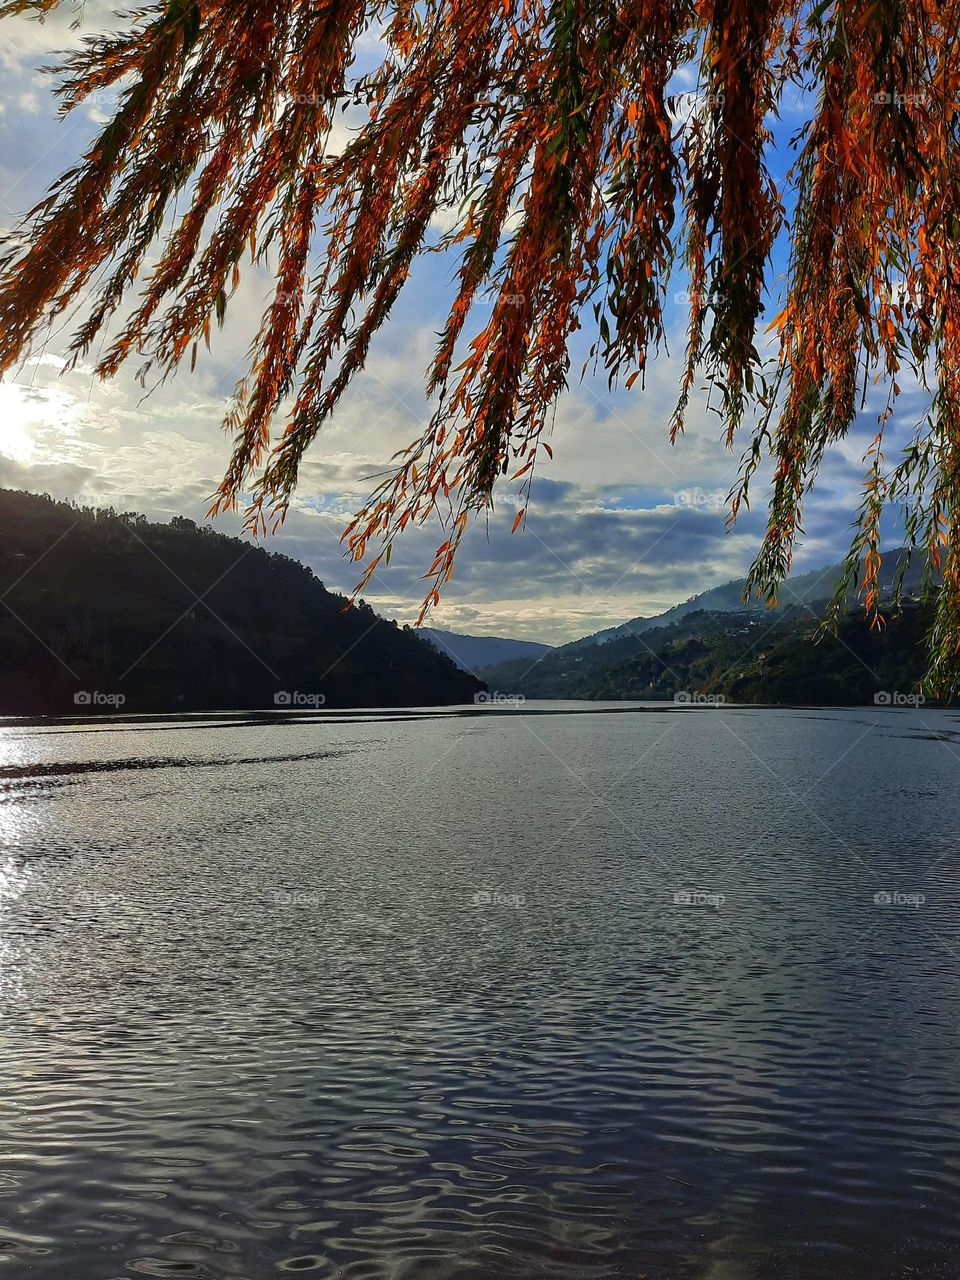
(607, 537)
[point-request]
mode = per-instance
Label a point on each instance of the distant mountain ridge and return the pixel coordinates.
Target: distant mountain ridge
(470, 653)
(738, 657)
(714, 645)
(810, 588)
(109, 612)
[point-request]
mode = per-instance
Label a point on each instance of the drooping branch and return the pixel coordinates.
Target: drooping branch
(552, 127)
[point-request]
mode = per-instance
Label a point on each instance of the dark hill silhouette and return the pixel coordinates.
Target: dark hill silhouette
(99, 606)
(741, 657)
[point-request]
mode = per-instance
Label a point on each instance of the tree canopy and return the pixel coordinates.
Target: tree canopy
(544, 130)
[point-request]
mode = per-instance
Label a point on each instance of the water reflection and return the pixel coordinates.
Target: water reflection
(517, 997)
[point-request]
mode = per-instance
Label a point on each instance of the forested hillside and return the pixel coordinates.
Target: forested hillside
(104, 610)
(741, 657)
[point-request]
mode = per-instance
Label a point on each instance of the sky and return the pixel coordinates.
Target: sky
(621, 524)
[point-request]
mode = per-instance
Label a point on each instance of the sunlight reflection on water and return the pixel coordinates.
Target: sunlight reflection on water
(505, 996)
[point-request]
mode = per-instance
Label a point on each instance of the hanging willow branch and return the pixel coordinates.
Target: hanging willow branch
(549, 125)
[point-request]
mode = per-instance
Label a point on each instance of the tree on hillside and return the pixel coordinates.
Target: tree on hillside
(543, 130)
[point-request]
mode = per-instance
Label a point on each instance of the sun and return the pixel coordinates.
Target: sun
(31, 417)
(16, 441)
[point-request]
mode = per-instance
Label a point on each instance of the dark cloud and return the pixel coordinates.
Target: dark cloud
(59, 479)
(619, 524)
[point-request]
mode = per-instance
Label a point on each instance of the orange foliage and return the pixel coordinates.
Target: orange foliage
(548, 124)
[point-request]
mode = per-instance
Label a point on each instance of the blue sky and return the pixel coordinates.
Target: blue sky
(621, 524)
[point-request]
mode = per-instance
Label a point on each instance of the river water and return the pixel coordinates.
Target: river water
(557, 991)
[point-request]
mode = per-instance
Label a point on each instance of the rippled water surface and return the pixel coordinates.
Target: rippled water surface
(622, 993)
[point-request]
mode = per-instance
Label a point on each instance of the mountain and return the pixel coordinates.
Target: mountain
(804, 588)
(736, 657)
(747, 654)
(472, 652)
(104, 610)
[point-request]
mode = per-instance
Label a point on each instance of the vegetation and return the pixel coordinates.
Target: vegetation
(105, 610)
(547, 135)
(737, 656)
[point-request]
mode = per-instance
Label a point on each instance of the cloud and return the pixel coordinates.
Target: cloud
(611, 532)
